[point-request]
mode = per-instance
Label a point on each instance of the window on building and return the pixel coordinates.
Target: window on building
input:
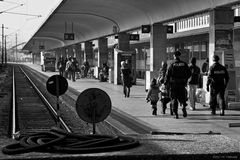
(236, 12)
(200, 21)
(207, 19)
(196, 50)
(204, 50)
(196, 22)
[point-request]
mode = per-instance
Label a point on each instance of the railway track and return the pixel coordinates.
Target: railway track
(31, 112)
(34, 118)
(118, 122)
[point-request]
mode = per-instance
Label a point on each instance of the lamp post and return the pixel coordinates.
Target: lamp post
(5, 49)
(2, 43)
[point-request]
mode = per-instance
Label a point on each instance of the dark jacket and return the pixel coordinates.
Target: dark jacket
(126, 78)
(74, 64)
(153, 93)
(195, 75)
(178, 73)
(205, 67)
(61, 64)
(218, 76)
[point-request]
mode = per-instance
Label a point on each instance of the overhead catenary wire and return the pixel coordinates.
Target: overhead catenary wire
(5, 11)
(24, 14)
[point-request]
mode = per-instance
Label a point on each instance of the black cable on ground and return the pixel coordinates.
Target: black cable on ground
(59, 141)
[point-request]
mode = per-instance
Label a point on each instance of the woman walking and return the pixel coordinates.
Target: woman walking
(126, 79)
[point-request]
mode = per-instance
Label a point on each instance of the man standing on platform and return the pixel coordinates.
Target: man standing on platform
(193, 82)
(177, 77)
(217, 79)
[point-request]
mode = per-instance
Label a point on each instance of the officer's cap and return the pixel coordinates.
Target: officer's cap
(215, 58)
(177, 53)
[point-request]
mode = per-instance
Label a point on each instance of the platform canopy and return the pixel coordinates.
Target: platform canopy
(91, 19)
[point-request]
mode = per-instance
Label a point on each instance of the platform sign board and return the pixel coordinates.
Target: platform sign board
(57, 85)
(93, 105)
(169, 29)
(41, 47)
(224, 39)
(68, 36)
(237, 19)
(134, 37)
(146, 28)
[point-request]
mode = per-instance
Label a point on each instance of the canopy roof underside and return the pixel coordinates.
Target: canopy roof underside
(91, 19)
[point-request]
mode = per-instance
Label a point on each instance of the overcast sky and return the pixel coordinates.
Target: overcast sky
(23, 17)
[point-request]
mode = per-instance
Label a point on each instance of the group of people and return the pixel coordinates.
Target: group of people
(68, 67)
(173, 80)
(104, 73)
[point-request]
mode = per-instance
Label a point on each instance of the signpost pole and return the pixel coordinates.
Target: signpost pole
(57, 92)
(57, 85)
(94, 124)
(58, 112)
(93, 106)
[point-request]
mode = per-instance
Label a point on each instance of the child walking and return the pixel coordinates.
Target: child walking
(153, 95)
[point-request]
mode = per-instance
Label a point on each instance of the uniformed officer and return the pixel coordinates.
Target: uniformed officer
(177, 76)
(217, 80)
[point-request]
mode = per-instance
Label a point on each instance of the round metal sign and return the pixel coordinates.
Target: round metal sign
(93, 105)
(57, 85)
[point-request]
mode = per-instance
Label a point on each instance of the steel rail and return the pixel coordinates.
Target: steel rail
(44, 99)
(13, 106)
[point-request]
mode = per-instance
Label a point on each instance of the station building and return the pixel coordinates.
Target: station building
(200, 32)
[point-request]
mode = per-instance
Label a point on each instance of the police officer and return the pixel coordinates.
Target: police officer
(217, 80)
(177, 76)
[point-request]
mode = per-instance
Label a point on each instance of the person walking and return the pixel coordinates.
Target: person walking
(61, 66)
(162, 72)
(153, 95)
(126, 79)
(177, 76)
(74, 67)
(205, 67)
(68, 69)
(86, 68)
(218, 79)
(193, 82)
(65, 70)
(164, 98)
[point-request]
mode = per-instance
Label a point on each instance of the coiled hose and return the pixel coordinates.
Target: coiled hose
(59, 141)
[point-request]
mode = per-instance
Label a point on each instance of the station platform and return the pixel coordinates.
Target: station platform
(197, 121)
(193, 143)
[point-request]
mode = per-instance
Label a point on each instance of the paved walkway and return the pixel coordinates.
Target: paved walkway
(198, 121)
